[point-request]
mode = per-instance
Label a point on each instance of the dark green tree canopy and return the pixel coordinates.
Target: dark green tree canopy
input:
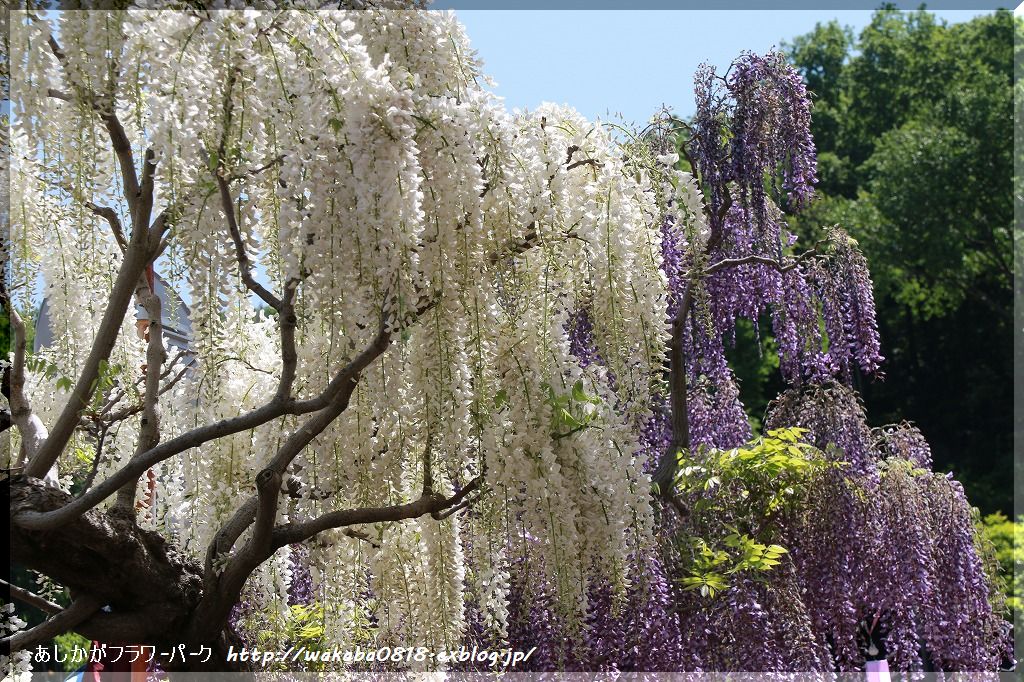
(913, 121)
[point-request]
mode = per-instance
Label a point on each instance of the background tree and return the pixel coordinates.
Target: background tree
(912, 120)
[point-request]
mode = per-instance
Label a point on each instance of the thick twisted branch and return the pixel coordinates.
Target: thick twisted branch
(781, 266)
(31, 428)
(137, 466)
(149, 430)
(132, 267)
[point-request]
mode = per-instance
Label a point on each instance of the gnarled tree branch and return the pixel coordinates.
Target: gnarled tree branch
(149, 429)
(241, 255)
(32, 431)
(780, 265)
(293, 532)
(31, 598)
(223, 587)
(132, 267)
(110, 215)
(61, 622)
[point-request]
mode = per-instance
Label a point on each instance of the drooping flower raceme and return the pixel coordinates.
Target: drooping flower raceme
(380, 186)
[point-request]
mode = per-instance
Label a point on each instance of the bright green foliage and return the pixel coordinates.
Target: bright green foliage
(72, 651)
(105, 381)
(1007, 540)
(50, 370)
(302, 626)
(571, 412)
(737, 499)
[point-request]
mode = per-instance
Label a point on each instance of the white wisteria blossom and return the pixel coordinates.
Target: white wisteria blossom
(17, 666)
(381, 267)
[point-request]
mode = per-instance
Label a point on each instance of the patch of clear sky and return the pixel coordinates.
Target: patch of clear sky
(630, 62)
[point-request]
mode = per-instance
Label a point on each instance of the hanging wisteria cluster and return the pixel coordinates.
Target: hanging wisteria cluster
(903, 554)
(504, 326)
(302, 163)
(883, 561)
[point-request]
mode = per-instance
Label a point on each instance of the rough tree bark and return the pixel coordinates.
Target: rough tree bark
(146, 590)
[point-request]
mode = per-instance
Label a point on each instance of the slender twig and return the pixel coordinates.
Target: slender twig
(694, 170)
(584, 162)
(530, 239)
(105, 212)
(132, 410)
(762, 260)
(284, 305)
(428, 473)
(116, 398)
(360, 536)
(256, 171)
(241, 255)
(182, 352)
(110, 215)
(464, 504)
(100, 440)
(31, 598)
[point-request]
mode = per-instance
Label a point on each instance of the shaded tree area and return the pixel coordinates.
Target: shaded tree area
(912, 120)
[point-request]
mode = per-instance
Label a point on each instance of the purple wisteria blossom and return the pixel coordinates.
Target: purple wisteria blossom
(752, 123)
(581, 338)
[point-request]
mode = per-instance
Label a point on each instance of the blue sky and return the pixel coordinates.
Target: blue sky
(629, 62)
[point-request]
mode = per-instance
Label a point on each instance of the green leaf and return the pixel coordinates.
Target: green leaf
(578, 394)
